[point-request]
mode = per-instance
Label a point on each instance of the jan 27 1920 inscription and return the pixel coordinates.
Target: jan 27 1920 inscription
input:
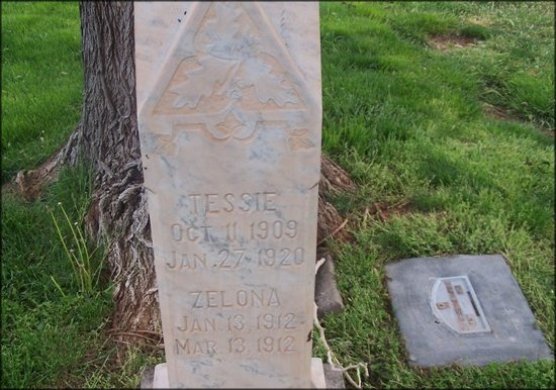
(229, 111)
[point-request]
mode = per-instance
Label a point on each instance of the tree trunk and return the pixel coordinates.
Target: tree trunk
(107, 140)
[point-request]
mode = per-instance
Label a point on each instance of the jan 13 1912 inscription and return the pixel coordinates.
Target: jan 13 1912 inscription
(229, 111)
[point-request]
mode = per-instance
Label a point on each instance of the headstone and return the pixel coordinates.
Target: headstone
(229, 115)
(465, 310)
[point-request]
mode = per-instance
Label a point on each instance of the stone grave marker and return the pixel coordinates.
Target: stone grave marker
(466, 310)
(229, 115)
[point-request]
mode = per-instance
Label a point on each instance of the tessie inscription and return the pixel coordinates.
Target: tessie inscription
(229, 113)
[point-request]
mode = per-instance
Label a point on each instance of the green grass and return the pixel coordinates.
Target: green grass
(53, 333)
(406, 120)
(42, 81)
(46, 330)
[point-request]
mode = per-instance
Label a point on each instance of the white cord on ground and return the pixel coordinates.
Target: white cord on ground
(330, 356)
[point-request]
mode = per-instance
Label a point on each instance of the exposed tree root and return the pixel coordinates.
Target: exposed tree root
(333, 180)
(30, 183)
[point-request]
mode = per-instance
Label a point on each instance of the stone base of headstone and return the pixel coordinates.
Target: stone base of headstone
(147, 378)
(327, 296)
(334, 379)
(322, 376)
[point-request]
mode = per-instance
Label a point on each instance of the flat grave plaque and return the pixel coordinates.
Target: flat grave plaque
(466, 310)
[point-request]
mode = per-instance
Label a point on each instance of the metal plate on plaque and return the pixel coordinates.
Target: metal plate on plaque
(455, 303)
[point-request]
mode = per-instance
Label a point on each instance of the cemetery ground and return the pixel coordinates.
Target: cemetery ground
(443, 114)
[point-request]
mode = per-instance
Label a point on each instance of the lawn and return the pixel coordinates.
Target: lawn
(442, 112)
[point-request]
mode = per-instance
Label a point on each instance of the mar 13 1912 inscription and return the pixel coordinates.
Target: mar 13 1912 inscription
(229, 114)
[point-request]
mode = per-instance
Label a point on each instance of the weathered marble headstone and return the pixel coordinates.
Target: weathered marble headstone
(229, 114)
(466, 310)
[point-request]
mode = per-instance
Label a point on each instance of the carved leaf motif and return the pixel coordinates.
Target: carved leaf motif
(201, 81)
(235, 70)
(268, 85)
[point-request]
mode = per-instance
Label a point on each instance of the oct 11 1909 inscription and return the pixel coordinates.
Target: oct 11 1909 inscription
(229, 115)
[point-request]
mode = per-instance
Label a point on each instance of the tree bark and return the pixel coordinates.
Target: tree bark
(109, 143)
(107, 140)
